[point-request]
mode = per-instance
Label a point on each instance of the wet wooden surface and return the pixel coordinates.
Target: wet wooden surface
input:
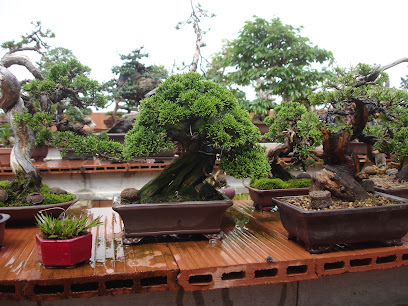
(255, 250)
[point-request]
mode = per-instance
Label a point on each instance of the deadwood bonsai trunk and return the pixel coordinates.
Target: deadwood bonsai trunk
(341, 174)
(12, 103)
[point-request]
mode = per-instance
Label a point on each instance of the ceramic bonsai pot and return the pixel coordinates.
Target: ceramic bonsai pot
(155, 219)
(229, 192)
(398, 192)
(64, 252)
(39, 153)
(263, 198)
(3, 219)
(321, 230)
(24, 215)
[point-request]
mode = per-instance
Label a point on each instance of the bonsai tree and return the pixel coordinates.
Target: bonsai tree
(134, 81)
(64, 82)
(204, 122)
(297, 131)
(356, 96)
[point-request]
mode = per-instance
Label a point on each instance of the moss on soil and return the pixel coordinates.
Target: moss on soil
(49, 198)
(276, 183)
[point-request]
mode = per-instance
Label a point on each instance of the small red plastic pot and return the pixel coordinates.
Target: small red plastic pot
(64, 252)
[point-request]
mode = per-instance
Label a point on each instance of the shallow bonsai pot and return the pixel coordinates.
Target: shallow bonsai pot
(321, 230)
(398, 192)
(64, 252)
(263, 198)
(3, 219)
(25, 215)
(156, 219)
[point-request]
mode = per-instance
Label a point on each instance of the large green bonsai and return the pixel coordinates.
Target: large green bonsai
(204, 122)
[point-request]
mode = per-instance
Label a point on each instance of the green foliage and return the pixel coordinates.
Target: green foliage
(127, 89)
(404, 83)
(35, 39)
(272, 57)
(66, 228)
(276, 183)
(39, 123)
(6, 136)
(94, 144)
(387, 107)
(197, 115)
(292, 123)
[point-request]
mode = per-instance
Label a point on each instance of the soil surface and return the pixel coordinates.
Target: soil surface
(388, 181)
(375, 200)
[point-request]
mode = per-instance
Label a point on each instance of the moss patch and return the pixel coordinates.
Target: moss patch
(276, 183)
(44, 190)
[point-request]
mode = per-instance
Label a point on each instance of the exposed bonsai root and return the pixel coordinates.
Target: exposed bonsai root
(340, 182)
(26, 185)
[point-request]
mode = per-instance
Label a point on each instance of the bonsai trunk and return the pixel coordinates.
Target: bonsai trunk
(403, 169)
(183, 174)
(341, 167)
(275, 160)
(11, 102)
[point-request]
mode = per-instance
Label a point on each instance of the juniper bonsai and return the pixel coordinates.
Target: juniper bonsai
(356, 96)
(297, 131)
(204, 122)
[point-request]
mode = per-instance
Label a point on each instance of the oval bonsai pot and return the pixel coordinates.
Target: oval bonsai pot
(64, 252)
(3, 219)
(155, 219)
(263, 198)
(321, 230)
(24, 215)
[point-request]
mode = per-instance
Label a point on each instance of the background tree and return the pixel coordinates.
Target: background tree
(134, 81)
(271, 56)
(356, 96)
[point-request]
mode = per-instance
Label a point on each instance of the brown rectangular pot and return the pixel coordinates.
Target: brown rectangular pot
(263, 198)
(154, 219)
(321, 230)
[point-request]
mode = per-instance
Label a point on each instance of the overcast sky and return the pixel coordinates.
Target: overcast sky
(374, 32)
